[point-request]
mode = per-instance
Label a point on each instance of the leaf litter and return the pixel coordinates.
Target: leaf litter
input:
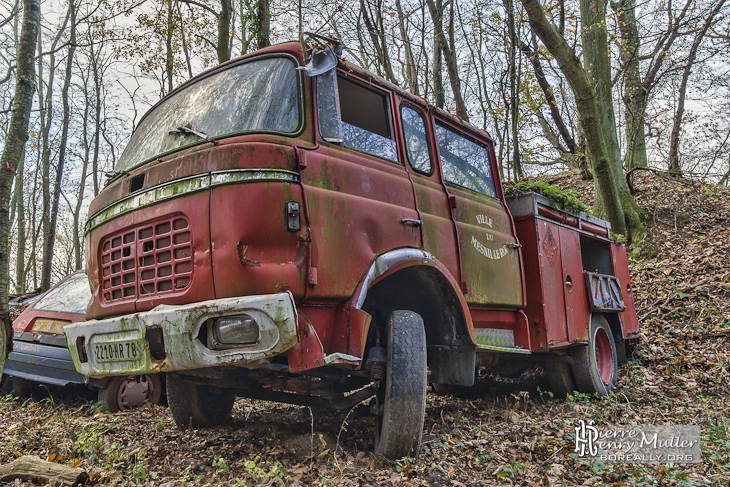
(514, 434)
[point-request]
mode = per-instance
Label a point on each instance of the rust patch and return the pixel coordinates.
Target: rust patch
(242, 256)
(301, 254)
(550, 247)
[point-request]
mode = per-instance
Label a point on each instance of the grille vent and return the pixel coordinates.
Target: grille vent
(153, 259)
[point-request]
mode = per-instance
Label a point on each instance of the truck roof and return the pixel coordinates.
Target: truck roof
(294, 48)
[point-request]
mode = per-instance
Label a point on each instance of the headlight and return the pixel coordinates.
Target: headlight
(229, 331)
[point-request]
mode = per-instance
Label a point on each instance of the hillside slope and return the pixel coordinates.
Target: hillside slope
(679, 374)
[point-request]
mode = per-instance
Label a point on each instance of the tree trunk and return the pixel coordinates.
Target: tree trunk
(587, 104)
(97, 118)
(20, 211)
(674, 167)
(514, 89)
(449, 59)
(411, 73)
(264, 24)
(82, 182)
(50, 239)
(34, 469)
(634, 96)
(223, 44)
(169, 59)
(439, 98)
(595, 58)
(184, 42)
(12, 152)
(381, 50)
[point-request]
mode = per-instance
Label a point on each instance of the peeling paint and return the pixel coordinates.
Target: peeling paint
(242, 256)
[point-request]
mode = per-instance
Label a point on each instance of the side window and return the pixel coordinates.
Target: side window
(464, 162)
(414, 131)
(328, 107)
(366, 120)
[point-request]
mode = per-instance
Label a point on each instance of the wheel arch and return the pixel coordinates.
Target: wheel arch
(411, 279)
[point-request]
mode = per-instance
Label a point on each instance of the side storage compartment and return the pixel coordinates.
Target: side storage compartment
(559, 248)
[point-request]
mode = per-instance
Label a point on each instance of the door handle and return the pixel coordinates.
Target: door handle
(514, 245)
(415, 223)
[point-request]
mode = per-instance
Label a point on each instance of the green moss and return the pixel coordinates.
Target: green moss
(565, 198)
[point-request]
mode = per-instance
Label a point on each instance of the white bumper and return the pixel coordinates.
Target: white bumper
(120, 346)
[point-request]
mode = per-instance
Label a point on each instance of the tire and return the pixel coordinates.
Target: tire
(198, 405)
(19, 388)
(6, 385)
(402, 394)
(124, 393)
(595, 367)
(560, 377)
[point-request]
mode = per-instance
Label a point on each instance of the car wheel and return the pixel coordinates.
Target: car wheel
(198, 405)
(401, 397)
(124, 393)
(595, 367)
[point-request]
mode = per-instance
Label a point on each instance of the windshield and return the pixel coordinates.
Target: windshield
(258, 95)
(70, 296)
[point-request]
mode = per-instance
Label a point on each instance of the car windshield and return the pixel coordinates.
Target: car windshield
(70, 296)
(258, 95)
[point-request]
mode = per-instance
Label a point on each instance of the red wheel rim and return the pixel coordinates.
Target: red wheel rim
(604, 355)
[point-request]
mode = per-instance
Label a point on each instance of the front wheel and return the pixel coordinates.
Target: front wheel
(403, 393)
(595, 367)
(124, 393)
(198, 405)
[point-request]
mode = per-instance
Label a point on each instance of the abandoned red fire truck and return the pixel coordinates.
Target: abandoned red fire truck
(289, 227)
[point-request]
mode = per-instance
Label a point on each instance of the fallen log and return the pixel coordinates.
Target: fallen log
(33, 468)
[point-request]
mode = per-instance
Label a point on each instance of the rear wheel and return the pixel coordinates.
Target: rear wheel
(402, 395)
(560, 377)
(198, 405)
(124, 393)
(595, 367)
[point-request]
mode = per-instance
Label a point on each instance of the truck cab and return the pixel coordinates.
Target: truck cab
(288, 226)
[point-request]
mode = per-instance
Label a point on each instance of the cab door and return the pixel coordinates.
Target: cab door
(432, 201)
(490, 258)
(359, 197)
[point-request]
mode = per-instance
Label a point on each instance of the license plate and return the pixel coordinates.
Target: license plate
(49, 326)
(117, 351)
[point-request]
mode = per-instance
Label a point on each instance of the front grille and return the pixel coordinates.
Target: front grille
(153, 259)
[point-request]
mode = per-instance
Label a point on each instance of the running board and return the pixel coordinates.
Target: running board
(497, 340)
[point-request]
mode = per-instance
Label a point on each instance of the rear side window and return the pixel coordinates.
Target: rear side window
(414, 130)
(366, 120)
(464, 162)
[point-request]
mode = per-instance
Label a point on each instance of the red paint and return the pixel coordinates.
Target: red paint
(353, 206)
(629, 322)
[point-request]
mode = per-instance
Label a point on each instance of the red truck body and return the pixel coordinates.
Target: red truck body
(296, 238)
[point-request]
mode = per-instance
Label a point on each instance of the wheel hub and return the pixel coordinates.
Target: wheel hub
(604, 356)
(133, 394)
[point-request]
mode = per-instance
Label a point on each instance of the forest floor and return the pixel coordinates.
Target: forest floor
(517, 435)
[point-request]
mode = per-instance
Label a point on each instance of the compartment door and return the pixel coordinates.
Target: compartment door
(549, 249)
(577, 312)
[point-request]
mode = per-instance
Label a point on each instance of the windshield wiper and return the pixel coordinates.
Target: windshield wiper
(110, 176)
(187, 130)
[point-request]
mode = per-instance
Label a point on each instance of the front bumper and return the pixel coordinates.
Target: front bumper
(121, 345)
